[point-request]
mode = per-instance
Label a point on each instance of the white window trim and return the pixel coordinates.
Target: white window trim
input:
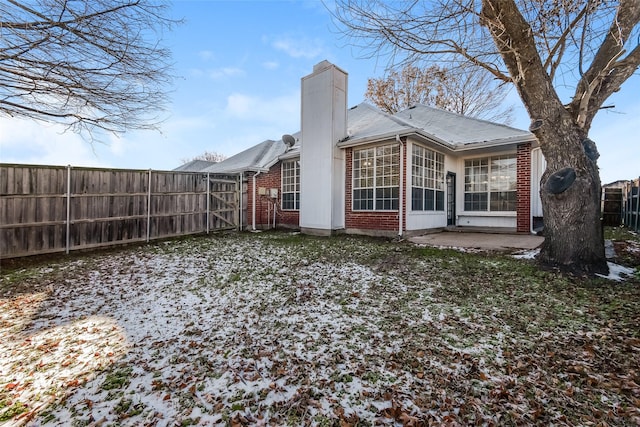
(375, 187)
(487, 212)
(296, 163)
(410, 183)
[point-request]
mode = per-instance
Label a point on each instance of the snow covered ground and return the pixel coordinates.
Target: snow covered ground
(270, 329)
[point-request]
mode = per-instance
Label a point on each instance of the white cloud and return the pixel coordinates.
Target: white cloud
(220, 73)
(247, 120)
(217, 73)
(117, 145)
(25, 141)
(283, 110)
(206, 55)
(270, 65)
(299, 47)
(196, 72)
(239, 105)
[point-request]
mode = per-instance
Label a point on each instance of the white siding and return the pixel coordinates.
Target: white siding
(470, 220)
(424, 220)
(538, 165)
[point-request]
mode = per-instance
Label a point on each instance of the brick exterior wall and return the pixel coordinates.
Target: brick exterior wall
(385, 221)
(523, 189)
(264, 204)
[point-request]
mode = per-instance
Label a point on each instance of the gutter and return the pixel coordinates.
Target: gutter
(385, 137)
(497, 143)
(454, 148)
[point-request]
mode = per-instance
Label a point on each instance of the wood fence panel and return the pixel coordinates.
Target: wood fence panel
(32, 209)
(612, 207)
(223, 201)
(106, 207)
(178, 203)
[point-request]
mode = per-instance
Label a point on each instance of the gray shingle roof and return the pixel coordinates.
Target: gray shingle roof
(366, 123)
(457, 129)
(194, 166)
(453, 130)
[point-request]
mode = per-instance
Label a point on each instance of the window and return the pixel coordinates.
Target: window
(490, 184)
(291, 185)
(427, 180)
(376, 177)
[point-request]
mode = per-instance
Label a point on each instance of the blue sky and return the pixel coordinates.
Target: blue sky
(239, 65)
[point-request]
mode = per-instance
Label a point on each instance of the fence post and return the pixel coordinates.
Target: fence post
(637, 215)
(208, 200)
(149, 208)
(68, 243)
(240, 201)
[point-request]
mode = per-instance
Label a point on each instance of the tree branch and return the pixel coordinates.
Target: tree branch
(84, 64)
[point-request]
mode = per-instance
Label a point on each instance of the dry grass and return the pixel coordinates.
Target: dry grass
(285, 329)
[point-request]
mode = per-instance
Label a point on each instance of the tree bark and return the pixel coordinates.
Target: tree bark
(573, 232)
(572, 227)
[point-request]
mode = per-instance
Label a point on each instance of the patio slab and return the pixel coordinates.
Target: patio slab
(483, 241)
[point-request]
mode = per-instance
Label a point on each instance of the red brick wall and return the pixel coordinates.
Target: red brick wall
(369, 220)
(264, 204)
(523, 188)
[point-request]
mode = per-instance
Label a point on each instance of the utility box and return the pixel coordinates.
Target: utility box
(273, 193)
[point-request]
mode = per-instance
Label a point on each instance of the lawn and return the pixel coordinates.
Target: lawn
(286, 329)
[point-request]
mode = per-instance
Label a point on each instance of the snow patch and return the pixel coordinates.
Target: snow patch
(617, 272)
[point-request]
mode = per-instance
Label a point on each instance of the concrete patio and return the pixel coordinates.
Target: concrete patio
(480, 239)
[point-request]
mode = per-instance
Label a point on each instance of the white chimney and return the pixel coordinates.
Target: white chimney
(322, 163)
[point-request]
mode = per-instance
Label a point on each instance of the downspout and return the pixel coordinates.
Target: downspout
(531, 195)
(253, 207)
(401, 189)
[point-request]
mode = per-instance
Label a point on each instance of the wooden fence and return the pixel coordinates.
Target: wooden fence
(631, 205)
(612, 207)
(45, 209)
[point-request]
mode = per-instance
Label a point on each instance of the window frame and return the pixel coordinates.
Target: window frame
(375, 178)
(427, 180)
(492, 183)
(290, 185)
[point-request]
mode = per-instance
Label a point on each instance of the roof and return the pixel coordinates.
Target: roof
(457, 129)
(194, 166)
(616, 184)
(452, 130)
(366, 123)
(257, 158)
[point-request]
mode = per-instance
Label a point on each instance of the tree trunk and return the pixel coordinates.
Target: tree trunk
(570, 187)
(574, 240)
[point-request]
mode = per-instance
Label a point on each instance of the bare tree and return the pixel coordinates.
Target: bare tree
(586, 47)
(464, 90)
(86, 64)
(209, 156)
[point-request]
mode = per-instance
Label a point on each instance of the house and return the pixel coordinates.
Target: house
(621, 183)
(194, 166)
(359, 170)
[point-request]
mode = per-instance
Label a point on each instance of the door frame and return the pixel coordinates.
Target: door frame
(451, 198)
